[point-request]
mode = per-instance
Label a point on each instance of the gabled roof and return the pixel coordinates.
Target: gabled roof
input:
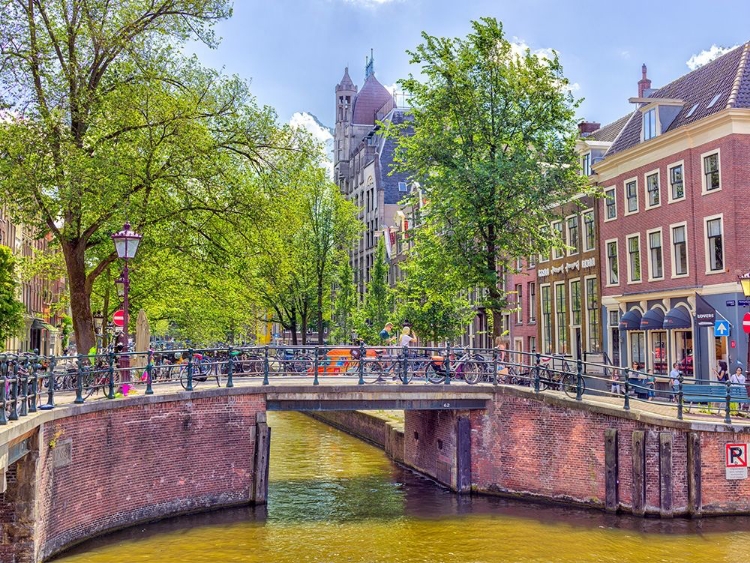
(727, 77)
(608, 133)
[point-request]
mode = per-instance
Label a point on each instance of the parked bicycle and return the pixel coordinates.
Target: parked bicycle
(561, 378)
(203, 368)
(463, 365)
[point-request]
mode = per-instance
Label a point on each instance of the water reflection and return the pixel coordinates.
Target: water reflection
(333, 498)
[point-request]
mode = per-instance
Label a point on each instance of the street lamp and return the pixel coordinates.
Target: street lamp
(745, 283)
(120, 285)
(126, 244)
(98, 326)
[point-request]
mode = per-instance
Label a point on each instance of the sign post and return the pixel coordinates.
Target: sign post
(736, 461)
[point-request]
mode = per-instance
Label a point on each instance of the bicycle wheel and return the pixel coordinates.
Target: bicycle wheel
(545, 379)
(472, 372)
(434, 374)
(410, 369)
(372, 373)
(184, 378)
(570, 385)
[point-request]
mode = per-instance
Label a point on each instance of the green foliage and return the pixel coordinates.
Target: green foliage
(11, 309)
(378, 304)
(493, 147)
(66, 330)
(345, 301)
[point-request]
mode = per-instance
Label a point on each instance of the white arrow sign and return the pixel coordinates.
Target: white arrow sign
(721, 328)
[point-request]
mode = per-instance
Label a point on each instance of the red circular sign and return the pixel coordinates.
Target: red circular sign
(119, 318)
(746, 323)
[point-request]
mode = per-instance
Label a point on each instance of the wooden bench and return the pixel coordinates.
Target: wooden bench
(714, 394)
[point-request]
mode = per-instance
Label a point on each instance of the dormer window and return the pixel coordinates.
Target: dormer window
(649, 124)
(586, 164)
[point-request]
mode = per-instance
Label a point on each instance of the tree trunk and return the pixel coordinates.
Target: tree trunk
(80, 299)
(320, 310)
(293, 327)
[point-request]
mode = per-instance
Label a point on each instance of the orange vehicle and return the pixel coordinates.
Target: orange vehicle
(340, 360)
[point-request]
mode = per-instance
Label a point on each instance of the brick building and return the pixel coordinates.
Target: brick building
(672, 224)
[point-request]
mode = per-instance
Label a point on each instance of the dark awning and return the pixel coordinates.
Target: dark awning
(38, 324)
(653, 319)
(631, 320)
(677, 318)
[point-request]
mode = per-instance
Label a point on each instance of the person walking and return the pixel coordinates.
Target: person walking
(616, 388)
(674, 379)
(722, 374)
(386, 335)
(407, 337)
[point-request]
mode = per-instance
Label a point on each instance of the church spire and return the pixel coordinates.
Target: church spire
(369, 65)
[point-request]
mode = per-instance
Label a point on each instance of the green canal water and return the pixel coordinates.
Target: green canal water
(333, 498)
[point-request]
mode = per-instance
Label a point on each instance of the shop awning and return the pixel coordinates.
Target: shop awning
(38, 324)
(677, 317)
(631, 320)
(653, 319)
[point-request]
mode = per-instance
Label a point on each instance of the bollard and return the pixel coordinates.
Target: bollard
(626, 406)
(35, 365)
(316, 380)
(190, 371)
(79, 381)
(265, 366)
(23, 388)
(111, 376)
(50, 385)
(680, 404)
(405, 367)
(3, 399)
(448, 366)
(150, 373)
(14, 391)
(579, 380)
(230, 368)
(727, 418)
(361, 366)
(537, 369)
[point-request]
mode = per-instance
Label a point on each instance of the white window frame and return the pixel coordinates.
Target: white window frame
(625, 194)
(710, 272)
(558, 253)
(556, 316)
(606, 259)
(519, 303)
(532, 305)
(581, 302)
(655, 112)
(586, 309)
(570, 251)
(612, 189)
(542, 325)
(645, 188)
(631, 281)
(670, 199)
(716, 152)
(651, 277)
(583, 231)
(672, 253)
(586, 164)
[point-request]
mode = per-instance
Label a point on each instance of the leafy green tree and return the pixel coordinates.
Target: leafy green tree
(107, 121)
(378, 303)
(493, 147)
(11, 309)
(345, 301)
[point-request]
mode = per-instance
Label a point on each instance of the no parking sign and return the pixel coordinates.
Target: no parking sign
(736, 461)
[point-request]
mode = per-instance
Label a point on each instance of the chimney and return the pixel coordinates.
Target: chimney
(587, 127)
(644, 84)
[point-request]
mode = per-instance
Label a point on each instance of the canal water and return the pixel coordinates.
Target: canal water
(333, 499)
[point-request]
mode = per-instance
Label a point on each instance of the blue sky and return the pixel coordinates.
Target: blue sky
(294, 51)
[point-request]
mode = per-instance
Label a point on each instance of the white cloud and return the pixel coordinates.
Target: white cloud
(706, 56)
(519, 47)
(319, 132)
(624, 54)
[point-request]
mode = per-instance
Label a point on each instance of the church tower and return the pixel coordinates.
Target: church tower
(346, 91)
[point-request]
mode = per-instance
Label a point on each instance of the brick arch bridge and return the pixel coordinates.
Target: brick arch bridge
(79, 470)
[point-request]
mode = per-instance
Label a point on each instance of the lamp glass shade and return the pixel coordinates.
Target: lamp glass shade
(126, 242)
(745, 282)
(120, 284)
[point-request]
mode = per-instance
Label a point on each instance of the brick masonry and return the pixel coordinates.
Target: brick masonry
(115, 467)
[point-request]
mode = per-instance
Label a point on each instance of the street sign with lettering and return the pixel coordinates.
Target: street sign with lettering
(736, 461)
(730, 303)
(743, 302)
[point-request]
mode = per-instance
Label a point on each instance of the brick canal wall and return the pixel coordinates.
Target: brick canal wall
(110, 465)
(553, 449)
(368, 427)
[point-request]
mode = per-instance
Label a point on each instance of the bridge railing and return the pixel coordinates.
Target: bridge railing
(29, 382)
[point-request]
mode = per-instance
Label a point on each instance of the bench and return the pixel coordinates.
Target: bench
(714, 394)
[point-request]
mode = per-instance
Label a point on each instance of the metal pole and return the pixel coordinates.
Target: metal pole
(316, 380)
(79, 381)
(405, 367)
(150, 372)
(14, 391)
(230, 368)
(35, 365)
(361, 366)
(111, 375)
(680, 398)
(579, 380)
(727, 418)
(448, 366)
(190, 371)
(125, 359)
(265, 366)
(494, 366)
(3, 402)
(23, 409)
(626, 406)
(50, 386)
(537, 369)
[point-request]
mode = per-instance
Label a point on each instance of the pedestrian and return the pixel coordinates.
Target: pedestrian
(386, 335)
(501, 345)
(737, 378)
(651, 384)
(674, 379)
(616, 388)
(407, 337)
(721, 373)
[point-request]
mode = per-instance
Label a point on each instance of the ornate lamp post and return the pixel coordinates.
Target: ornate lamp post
(745, 283)
(126, 244)
(98, 328)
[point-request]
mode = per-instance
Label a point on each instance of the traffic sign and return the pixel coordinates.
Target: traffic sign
(735, 461)
(119, 318)
(746, 323)
(721, 328)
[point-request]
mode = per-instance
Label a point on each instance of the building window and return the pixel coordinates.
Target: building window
(715, 246)
(652, 189)
(519, 305)
(679, 251)
(654, 245)
(575, 302)
(589, 235)
(592, 314)
(532, 302)
(402, 187)
(649, 124)
(573, 235)
(546, 320)
(677, 182)
(612, 277)
(532, 344)
(557, 252)
(586, 164)
(634, 258)
(712, 180)
(531, 261)
(611, 203)
(631, 193)
(561, 311)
